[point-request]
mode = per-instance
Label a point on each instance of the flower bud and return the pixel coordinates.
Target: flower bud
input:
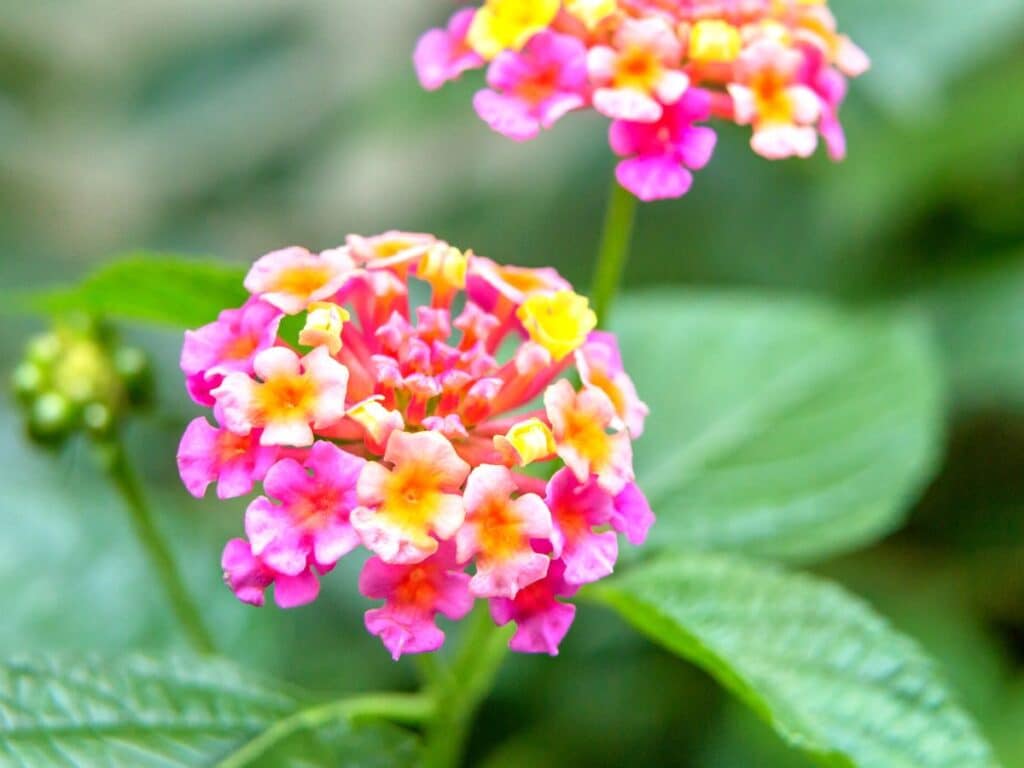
(51, 418)
(27, 381)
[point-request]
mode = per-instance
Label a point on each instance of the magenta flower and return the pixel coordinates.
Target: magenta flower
(215, 455)
(535, 88)
(228, 344)
(309, 525)
(443, 55)
(541, 620)
(249, 577)
(580, 511)
(414, 595)
(662, 154)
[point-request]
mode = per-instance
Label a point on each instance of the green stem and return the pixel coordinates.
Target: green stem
(402, 708)
(614, 251)
(472, 676)
(124, 478)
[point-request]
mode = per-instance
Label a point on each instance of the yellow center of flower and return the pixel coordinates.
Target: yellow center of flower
(302, 280)
(411, 498)
(638, 68)
(774, 104)
(558, 321)
(286, 397)
(500, 531)
(587, 436)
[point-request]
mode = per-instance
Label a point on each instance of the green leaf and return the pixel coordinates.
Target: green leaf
(140, 712)
(979, 317)
(152, 288)
(830, 676)
(783, 428)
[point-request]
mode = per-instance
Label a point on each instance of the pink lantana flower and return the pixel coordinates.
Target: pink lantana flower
(309, 524)
(248, 577)
(209, 454)
(640, 72)
(535, 88)
(291, 398)
(577, 509)
(228, 344)
(414, 595)
(417, 497)
(293, 278)
(413, 427)
(632, 515)
(443, 55)
(581, 423)
(768, 96)
(541, 620)
(660, 155)
(600, 365)
(499, 530)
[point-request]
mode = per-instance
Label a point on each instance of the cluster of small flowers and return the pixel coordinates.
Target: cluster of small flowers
(656, 68)
(447, 438)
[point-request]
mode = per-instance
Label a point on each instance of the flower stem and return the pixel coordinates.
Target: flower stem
(402, 708)
(614, 251)
(472, 676)
(124, 478)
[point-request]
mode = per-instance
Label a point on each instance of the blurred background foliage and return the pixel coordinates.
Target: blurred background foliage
(233, 127)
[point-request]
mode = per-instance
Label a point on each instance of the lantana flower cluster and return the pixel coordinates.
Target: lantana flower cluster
(462, 421)
(658, 69)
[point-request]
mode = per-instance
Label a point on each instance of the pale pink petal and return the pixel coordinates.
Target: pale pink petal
(627, 104)
(591, 557)
(404, 632)
(196, 463)
(632, 514)
(506, 115)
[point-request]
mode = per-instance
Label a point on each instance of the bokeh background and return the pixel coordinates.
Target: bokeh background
(233, 127)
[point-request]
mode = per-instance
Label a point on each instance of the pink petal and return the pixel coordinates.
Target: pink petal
(294, 591)
(654, 178)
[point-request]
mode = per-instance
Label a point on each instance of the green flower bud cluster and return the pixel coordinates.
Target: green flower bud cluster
(79, 377)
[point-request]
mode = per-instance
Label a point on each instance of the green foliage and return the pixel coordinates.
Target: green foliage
(783, 428)
(151, 288)
(980, 320)
(831, 677)
(164, 712)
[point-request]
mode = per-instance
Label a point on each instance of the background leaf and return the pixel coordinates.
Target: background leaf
(818, 664)
(142, 712)
(153, 288)
(979, 315)
(781, 427)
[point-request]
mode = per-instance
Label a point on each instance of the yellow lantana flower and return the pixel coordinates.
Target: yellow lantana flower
(507, 24)
(559, 321)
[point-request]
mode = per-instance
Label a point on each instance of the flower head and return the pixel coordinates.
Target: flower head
(779, 66)
(419, 432)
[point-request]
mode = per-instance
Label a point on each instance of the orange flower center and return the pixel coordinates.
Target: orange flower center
(418, 589)
(241, 347)
(588, 437)
(285, 397)
(316, 509)
(230, 446)
(500, 531)
(637, 68)
(538, 86)
(774, 104)
(603, 382)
